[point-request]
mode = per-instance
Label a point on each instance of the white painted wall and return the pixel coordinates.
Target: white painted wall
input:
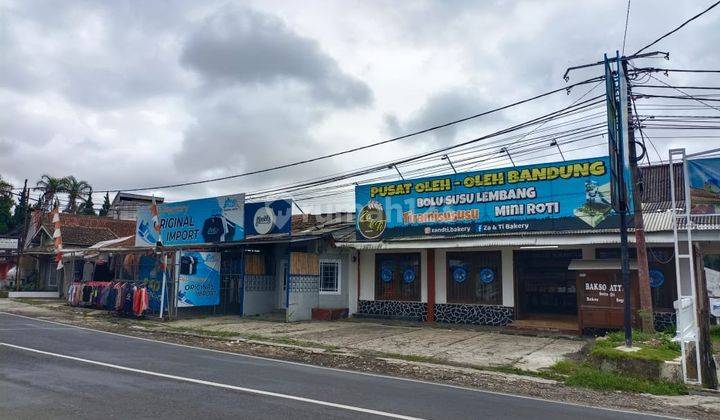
(508, 277)
(352, 283)
(440, 276)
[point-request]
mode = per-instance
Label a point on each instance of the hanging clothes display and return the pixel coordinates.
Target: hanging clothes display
(125, 298)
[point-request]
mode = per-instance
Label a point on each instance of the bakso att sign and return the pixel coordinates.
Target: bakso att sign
(545, 197)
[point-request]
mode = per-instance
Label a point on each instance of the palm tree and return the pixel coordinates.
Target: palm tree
(50, 186)
(75, 189)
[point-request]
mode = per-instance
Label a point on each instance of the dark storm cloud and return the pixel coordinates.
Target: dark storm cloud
(264, 88)
(232, 134)
(239, 45)
(442, 107)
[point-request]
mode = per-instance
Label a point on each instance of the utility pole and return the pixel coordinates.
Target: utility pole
(621, 167)
(21, 235)
(646, 317)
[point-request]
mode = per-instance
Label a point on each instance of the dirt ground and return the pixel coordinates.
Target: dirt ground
(699, 405)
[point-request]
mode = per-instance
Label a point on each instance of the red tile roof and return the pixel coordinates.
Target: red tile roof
(84, 230)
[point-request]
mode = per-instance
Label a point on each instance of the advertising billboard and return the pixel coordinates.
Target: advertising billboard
(544, 197)
(193, 222)
(704, 181)
(198, 279)
(266, 218)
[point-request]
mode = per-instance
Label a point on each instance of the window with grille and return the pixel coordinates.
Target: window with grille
(397, 277)
(474, 277)
(330, 276)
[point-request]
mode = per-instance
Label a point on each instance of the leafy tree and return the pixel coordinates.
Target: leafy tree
(20, 210)
(87, 207)
(50, 186)
(6, 204)
(106, 205)
(76, 190)
(6, 220)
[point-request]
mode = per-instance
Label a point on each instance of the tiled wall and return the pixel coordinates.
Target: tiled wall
(446, 313)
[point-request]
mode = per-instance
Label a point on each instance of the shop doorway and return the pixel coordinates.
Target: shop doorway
(545, 289)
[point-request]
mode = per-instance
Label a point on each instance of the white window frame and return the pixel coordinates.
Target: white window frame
(338, 262)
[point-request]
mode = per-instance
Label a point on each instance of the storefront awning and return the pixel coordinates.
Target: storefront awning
(546, 240)
(589, 265)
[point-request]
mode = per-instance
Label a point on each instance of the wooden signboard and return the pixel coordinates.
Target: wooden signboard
(601, 298)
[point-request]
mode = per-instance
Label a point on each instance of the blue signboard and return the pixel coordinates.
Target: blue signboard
(409, 275)
(487, 275)
(198, 279)
(544, 197)
(704, 179)
(386, 274)
(268, 218)
(459, 274)
(656, 278)
(193, 222)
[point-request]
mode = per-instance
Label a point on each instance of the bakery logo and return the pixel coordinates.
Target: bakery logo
(372, 221)
(264, 220)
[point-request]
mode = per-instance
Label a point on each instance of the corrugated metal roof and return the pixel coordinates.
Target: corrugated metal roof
(656, 183)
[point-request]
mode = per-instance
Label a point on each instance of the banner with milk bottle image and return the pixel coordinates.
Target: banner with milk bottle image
(193, 222)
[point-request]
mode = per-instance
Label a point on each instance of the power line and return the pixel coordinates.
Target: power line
(681, 91)
(627, 19)
(419, 158)
(678, 28)
(355, 149)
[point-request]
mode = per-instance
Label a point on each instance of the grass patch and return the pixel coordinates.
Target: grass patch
(715, 334)
(584, 375)
(657, 347)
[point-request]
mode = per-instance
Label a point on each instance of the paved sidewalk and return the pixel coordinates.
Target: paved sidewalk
(445, 343)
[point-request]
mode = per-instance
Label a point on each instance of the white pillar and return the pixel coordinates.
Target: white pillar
(508, 277)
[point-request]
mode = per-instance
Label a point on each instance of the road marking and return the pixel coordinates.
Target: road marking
(216, 384)
(352, 372)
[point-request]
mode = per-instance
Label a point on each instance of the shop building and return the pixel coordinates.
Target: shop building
(520, 280)
(289, 269)
(38, 273)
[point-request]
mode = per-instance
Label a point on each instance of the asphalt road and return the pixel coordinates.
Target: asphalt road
(49, 370)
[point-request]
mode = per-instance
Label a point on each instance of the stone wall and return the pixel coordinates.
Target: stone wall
(664, 320)
(446, 313)
(416, 311)
(474, 314)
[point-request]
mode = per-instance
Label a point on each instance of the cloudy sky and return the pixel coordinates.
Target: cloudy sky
(128, 94)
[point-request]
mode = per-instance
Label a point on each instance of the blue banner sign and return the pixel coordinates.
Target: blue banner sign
(193, 222)
(545, 197)
(198, 279)
(704, 179)
(268, 218)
